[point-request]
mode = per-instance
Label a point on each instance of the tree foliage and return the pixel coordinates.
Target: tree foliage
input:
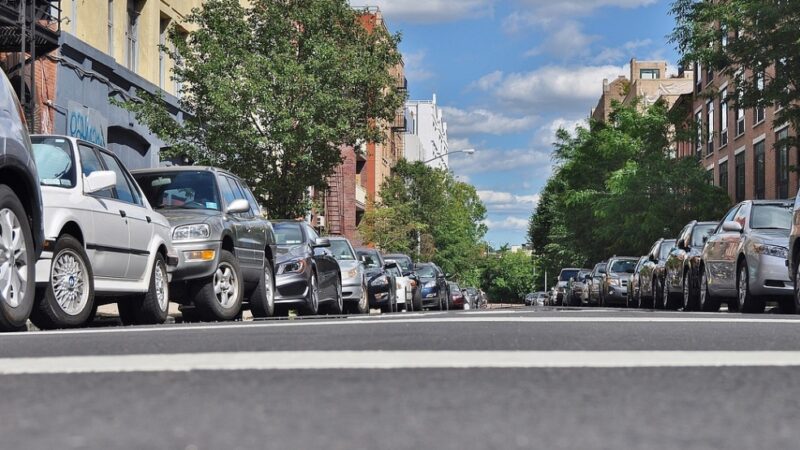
(507, 276)
(760, 37)
(617, 188)
(440, 217)
(273, 89)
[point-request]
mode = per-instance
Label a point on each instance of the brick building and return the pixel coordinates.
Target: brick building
(736, 145)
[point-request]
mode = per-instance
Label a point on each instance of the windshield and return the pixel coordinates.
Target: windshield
(567, 274)
(54, 161)
(370, 258)
(623, 266)
(405, 263)
(180, 189)
(666, 247)
(774, 217)
(426, 271)
(700, 233)
(341, 250)
(289, 233)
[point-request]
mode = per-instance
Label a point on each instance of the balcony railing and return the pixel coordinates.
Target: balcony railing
(399, 123)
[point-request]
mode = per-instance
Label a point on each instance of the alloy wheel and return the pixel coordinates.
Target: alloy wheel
(741, 295)
(703, 290)
(162, 287)
(226, 285)
(270, 287)
(686, 292)
(13, 259)
(314, 293)
(69, 280)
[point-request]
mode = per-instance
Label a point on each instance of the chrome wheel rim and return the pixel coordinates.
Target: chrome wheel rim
(703, 289)
(314, 293)
(162, 288)
(69, 281)
(685, 292)
(13, 259)
(226, 285)
(339, 299)
(742, 287)
(269, 291)
(362, 303)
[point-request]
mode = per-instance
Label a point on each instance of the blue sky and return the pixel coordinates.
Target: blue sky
(509, 73)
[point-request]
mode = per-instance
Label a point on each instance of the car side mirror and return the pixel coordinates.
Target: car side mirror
(732, 226)
(238, 206)
(322, 242)
(99, 180)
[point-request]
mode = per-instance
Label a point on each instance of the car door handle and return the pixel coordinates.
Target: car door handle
(149, 220)
(123, 213)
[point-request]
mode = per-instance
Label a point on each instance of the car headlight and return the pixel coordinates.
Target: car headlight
(771, 250)
(352, 273)
(191, 232)
(614, 281)
(380, 281)
(430, 284)
(293, 266)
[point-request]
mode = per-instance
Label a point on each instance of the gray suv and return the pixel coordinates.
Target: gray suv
(20, 214)
(225, 246)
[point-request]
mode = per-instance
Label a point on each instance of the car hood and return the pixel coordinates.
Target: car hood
(178, 217)
(562, 284)
(287, 252)
(771, 237)
(346, 265)
(372, 272)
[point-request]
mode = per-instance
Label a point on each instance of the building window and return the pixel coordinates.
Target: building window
(698, 141)
(724, 40)
(723, 120)
(710, 176)
(650, 74)
(111, 28)
(723, 175)
(162, 55)
(698, 79)
(760, 113)
(132, 34)
(710, 127)
(760, 169)
(740, 175)
(782, 166)
(739, 118)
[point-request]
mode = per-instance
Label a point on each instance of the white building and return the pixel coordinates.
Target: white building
(426, 135)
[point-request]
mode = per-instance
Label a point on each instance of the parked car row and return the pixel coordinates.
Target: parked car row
(748, 260)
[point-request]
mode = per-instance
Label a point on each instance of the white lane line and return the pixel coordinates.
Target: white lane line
(388, 320)
(315, 360)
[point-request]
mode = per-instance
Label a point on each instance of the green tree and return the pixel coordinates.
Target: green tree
(743, 38)
(272, 91)
(389, 228)
(507, 276)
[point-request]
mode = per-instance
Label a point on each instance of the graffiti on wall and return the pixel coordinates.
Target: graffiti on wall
(87, 124)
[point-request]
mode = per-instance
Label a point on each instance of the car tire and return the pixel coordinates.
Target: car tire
(791, 305)
(669, 298)
(417, 299)
(311, 307)
(262, 300)
(360, 307)
(708, 303)
(152, 307)
(67, 300)
(16, 297)
(658, 295)
(336, 307)
(746, 302)
(226, 304)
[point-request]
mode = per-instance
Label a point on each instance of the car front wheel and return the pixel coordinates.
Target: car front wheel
(262, 300)
(747, 302)
(219, 297)
(708, 302)
(152, 307)
(17, 263)
(311, 308)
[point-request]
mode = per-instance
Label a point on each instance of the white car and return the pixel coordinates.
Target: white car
(102, 239)
(405, 290)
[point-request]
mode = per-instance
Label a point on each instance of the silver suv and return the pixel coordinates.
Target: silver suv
(225, 246)
(744, 261)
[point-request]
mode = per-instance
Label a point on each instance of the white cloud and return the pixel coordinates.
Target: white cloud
(483, 121)
(508, 223)
(430, 11)
(488, 81)
(571, 89)
(567, 41)
(506, 202)
(623, 52)
(415, 66)
(547, 133)
(484, 161)
(569, 8)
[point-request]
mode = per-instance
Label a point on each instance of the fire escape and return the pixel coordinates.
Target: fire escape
(29, 29)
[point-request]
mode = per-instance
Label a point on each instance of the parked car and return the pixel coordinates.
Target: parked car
(404, 291)
(576, 288)
(560, 288)
(682, 268)
(473, 297)
(614, 285)
(594, 282)
(381, 284)
(103, 241)
(435, 290)
(21, 214)
(744, 261)
(354, 287)
(407, 268)
(457, 299)
(536, 299)
(793, 263)
(651, 274)
(226, 248)
(634, 285)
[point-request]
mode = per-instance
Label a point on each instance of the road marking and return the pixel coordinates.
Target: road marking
(316, 360)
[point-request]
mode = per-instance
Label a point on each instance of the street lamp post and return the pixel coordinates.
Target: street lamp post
(468, 151)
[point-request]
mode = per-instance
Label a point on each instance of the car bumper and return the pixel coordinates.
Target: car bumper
(352, 292)
(431, 297)
(768, 276)
(379, 295)
(291, 288)
(616, 295)
(186, 269)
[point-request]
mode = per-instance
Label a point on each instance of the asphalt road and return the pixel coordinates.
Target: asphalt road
(530, 378)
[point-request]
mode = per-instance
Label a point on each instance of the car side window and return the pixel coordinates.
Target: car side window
(684, 236)
(742, 215)
(124, 190)
(254, 206)
(90, 162)
(238, 194)
(312, 235)
(227, 193)
(728, 217)
(242, 189)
